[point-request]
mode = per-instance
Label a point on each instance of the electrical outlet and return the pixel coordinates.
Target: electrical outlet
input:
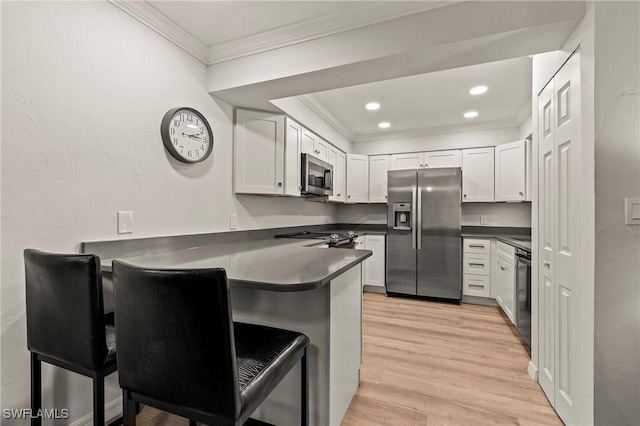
(483, 220)
(233, 221)
(125, 222)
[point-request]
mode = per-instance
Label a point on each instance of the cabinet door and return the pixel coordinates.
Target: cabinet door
(477, 175)
(361, 245)
(357, 178)
(509, 290)
(378, 167)
(308, 142)
(443, 159)
(374, 266)
(337, 160)
(414, 160)
(498, 284)
(321, 149)
(292, 146)
(510, 172)
(258, 159)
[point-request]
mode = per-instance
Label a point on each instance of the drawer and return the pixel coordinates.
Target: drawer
(472, 245)
(476, 285)
(477, 264)
(507, 252)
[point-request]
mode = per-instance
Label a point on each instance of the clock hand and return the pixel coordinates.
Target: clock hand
(195, 135)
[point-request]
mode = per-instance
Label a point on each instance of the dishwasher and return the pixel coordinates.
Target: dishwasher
(523, 294)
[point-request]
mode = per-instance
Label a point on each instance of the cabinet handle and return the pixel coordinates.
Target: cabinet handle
(502, 268)
(476, 285)
(520, 193)
(546, 264)
(426, 165)
(279, 183)
(386, 196)
(420, 165)
(465, 195)
(339, 195)
(477, 264)
(348, 196)
(476, 245)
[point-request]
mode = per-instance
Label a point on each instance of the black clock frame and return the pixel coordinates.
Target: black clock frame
(166, 137)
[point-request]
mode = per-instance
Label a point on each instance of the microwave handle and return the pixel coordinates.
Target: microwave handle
(328, 179)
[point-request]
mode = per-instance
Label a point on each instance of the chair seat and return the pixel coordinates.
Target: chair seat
(264, 356)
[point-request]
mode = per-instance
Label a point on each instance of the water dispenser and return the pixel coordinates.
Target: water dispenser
(402, 216)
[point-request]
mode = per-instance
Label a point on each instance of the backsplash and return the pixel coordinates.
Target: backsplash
(498, 214)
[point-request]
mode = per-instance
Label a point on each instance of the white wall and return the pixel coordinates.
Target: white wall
(525, 128)
(84, 87)
(459, 140)
(498, 214)
(617, 160)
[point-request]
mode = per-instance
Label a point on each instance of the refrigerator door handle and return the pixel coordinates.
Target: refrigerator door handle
(419, 219)
(413, 218)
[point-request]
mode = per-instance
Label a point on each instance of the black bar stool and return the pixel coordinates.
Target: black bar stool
(66, 324)
(180, 351)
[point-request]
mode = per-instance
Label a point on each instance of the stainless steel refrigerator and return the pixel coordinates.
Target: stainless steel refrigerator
(424, 244)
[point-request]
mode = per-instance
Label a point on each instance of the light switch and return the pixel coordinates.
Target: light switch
(483, 220)
(233, 221)
(125, 222)
(632, 211)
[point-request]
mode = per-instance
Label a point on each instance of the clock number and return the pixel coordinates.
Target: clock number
(176, 123)
(189, 153)
(175, 141)
(189, 116)
(181, 149)
(173, 131)
(201, 129)
(197, 153)
(202, 148)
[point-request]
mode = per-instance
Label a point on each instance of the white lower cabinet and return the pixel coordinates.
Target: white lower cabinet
(375, 265)
(476, 267)
(504, 279)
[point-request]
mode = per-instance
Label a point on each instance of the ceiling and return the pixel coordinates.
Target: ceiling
(219, 31)
(435, 100)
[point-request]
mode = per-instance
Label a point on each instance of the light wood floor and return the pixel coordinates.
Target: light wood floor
(431, 363)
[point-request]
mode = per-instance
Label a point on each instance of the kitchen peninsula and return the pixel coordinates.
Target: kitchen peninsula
(291, 284)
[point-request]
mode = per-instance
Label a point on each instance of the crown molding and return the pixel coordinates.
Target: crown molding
(523, 113)
(427, 131)
(152, 18)
(318, 107)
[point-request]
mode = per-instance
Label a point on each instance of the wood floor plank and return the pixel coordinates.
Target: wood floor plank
(431, 363)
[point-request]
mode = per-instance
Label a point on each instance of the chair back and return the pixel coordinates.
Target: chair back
(175, 337)
(65, 312)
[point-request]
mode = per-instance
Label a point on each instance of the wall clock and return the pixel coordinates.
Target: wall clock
(186, 134)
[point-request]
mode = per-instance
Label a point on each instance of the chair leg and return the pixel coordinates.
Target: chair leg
(36, 389)
(128, 409)
(98, 399)
(304, 391)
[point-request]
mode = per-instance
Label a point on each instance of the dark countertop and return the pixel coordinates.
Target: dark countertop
(519, 241)
(268, 264)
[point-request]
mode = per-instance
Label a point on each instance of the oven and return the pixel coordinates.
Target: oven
(523, 294)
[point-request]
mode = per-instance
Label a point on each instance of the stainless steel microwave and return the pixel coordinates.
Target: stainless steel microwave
(317, 176)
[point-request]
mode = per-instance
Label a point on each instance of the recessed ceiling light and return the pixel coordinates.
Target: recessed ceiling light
(372, 106)
(384, 125)
(478, 90)
(470, 114)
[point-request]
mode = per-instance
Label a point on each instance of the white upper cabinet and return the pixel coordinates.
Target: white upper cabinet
(292, 151)
(511, 171)
(339, 162)
(443, 159)
(258, 153)
(357, 178)
(314, 145)
(478, 175)
(378, 167)
(431, 159)
(406, 161)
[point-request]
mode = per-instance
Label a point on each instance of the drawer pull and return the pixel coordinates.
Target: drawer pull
(476, 264)
(476, 286)
(476, 245)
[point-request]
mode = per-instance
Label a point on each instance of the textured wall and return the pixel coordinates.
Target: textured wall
(617, 268)
(84, 87)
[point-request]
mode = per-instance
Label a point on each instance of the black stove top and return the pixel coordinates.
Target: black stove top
(333, 239)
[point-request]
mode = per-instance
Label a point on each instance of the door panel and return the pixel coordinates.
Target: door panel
(401, 256)
(406, 161)
(439, 253)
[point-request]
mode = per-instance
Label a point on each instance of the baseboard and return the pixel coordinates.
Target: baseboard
(476, 300)
(111, 410)
(533, 371)
(374, 289)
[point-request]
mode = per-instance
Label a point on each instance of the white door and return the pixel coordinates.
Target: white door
(414, 160)
(478, 175)
(443, 159)
(559, 247)
(510, 171)
(378, 167)
(258, 153)
(321, 149)
(292, 142)
(509, 293)
(546, 243)
(357, 178)
(498, 285)
(308, 142)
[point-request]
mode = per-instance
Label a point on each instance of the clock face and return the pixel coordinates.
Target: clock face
(187, 135)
